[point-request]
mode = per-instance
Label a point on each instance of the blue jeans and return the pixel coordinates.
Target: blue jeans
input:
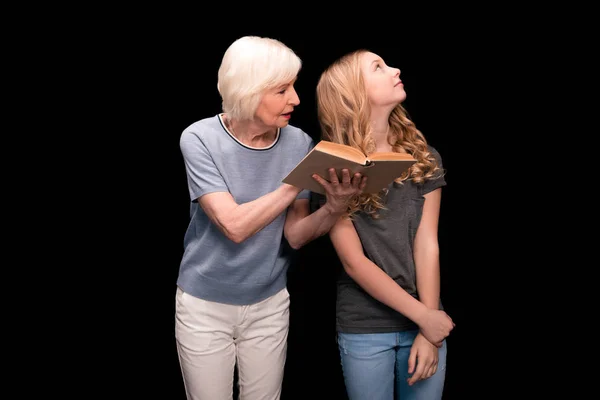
(375, 366)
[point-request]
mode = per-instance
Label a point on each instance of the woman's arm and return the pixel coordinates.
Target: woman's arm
(240, 221)
(434, 324)
(301, 226)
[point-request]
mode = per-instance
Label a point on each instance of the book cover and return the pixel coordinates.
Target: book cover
(380, 168)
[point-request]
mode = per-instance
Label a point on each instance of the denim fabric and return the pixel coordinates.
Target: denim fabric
(375, 367)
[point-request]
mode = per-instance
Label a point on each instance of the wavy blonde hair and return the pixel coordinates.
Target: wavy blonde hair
(344, 113)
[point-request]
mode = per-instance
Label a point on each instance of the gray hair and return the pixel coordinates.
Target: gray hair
(250, 66)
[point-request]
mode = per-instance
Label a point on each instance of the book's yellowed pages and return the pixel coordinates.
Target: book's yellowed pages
(380, 172)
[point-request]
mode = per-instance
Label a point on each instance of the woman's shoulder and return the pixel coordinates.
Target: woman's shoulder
(297, 134)
(202, 126)
(207, 122)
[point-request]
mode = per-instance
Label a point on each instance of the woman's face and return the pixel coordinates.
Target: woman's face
(277, 104)
(382, 82)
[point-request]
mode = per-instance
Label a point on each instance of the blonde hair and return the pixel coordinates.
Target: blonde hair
(344, 113)
(250, 66)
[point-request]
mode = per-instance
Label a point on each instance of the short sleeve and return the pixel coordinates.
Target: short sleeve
(203, 176)
(305, 194)
(438, 180)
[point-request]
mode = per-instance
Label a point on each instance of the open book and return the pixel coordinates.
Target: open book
(381, 169)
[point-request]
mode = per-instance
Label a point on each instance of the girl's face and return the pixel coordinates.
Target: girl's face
(382, 82)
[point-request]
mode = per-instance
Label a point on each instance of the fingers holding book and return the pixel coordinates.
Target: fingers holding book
(339, 192)
(357, 183)
(333, 178)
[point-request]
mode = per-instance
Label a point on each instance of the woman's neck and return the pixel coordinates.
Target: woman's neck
(251, 133)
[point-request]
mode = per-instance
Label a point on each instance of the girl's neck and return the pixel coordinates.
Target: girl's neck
(380, 129)
(381, 139)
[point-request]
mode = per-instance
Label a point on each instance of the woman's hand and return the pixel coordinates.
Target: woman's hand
(339, 194)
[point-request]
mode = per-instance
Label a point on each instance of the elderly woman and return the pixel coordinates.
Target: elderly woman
(232, 305)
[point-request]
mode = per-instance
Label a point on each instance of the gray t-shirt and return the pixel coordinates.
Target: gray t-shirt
(388, 242)
(213, 267)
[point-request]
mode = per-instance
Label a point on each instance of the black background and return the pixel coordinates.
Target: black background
(98, 97)
(164, 79)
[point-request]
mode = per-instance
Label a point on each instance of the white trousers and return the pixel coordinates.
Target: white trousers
(211, 337)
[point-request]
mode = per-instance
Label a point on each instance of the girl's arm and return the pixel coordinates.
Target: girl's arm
(426, 251)
(434, 323)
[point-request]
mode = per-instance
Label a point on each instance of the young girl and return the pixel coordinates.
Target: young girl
(390, 323)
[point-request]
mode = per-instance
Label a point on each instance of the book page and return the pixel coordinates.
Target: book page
(341, 150)
(390, 155)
